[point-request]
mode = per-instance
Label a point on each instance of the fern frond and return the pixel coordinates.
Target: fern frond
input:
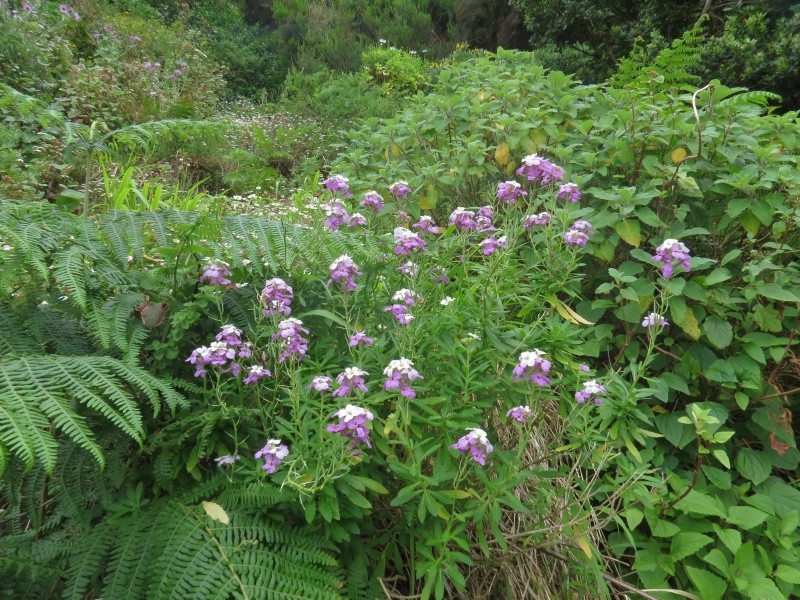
(69, 268)
(87, 558)
(755, 98)
(15, 339)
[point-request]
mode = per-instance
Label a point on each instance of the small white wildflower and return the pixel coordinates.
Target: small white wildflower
(446, 300)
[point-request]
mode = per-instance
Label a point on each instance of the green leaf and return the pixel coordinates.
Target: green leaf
(763, 589)
(788, 574)
(745, 517)
(709, 585)
(720, 478)
(773, 291)
(718, 331)
(699, 503)
(717, 276)
(688, 543)
(631, 231)
(753, 465)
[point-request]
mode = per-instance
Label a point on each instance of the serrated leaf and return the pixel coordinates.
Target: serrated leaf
(709, 585)
(745, 517)
(718, 331)
(699, 503)
(688, 543)
(753, 465)
(630, 230)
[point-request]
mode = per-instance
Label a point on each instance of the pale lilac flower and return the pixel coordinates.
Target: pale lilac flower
(356, 220)
(406, 241)
(400, 189)
(591, 391)
(491, 244)
(216, 272)
(176, 73)
(569, 192)
(353, 424)
(352, 378)
(273, 454)
(584, 367)
(359, 338)
(476, 443)
(399, 374)
(227, 459)
(440, 275)
(27, 7)
(217, 354)
(654, 320)
(344, 271)
(320, 383)
(373, 200)
(463, 219)
(230, 335)
(578, 233)
(257, 372)
(134, 39)
(537, 168)
(409, 268)
(509, 191)
(400, 313)
(338, 183)
(405, 296)
(277, 297)
(672, 253)
(520, 413)
(484, 218)
(426, 225)
(542, 218)
(533, 367)
(290, 334)
(336, 214)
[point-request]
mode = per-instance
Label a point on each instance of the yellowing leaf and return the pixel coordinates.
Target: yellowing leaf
(679, 155)
(481, 96)
(539, 139)
(749, 222)
(509, 170)
(690, 325)
(583, 543)
(396, 151)
(567, 313)
(216, 512)
(630, 230)
(502, 155)
(428, 202)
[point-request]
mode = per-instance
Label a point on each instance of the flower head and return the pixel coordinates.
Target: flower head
(406, 241)
(400, 313)
(591, 391)
(399, 373)
(400, 189)
(405, 296)
(569, 192)
(356, 220)
(273, 454)
(352, 424)
(426, 225)
(290, 334)
(578, 233)
(538, 168)
(344, 271)
(533, 367)
(409, 268)
(476, 443)
(491, 244)
(338, 183)
(509, 191)
(463, 219)
(256, 373)
(336, 214)
(277, 298)
(352, 378)
(520, 413)
(373, 200)
(654, 320)
(542, 218)
(216, 272)
(320, 383)
(359, 338)
(672, 253)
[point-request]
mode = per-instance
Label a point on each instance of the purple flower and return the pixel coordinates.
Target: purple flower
(439, 275)
(373, 200)
(578, 233)
(336, 213)
(672, 253)
(290, 334)
(176, 73)
(216, 272)
(537, 168)
(134, 39)
(338, 183)
(230, 335)
(484, 219)
(583, 367)
(591, 390)
(400, 189)
(491, 244)
(409, 268)
(463, 219)
(400, 313)
(533, 367)
(227, 459)
(405, 296)
(217, 354)
(543, 218)
(569, 192)
(320, 383)
(356, 220)
(27, 7)
(277, 298)
(407, 241)
(509, 191)
(520, 413)
(273, 454)
(399, 374)
(256, 373)
(476, 443)
(352, 378)
(353, 424)
(426, 225)
(344, 271)
(654, 320)
(359, 338)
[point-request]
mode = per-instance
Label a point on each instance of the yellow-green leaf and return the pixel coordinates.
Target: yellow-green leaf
(679, 155)
(690, 325)
(216, 512)
(630, 230)
(502, 155)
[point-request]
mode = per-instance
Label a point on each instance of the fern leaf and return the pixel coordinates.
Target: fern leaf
(70, 269)
(88, 556)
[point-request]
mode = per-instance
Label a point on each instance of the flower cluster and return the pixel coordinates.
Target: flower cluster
(509, 191)
(336, 214)
(569, 192)
(290, 333)
(344, 271)
(226, 348)
(426, 225)
(672, 253)
(405, 296)
(273, 454)
(353, 424)
(492, 244)
(68, 11)
(409, 269)
(476, 442)
(483, 218)
(215, 272)
(520, 413)
(277, 298)
(407, 241)
(338, 183)
(654, 320)
(533, 367)
(542, 218)
(591, 391)
(537, 168)
(578, 234)
(320, 383)
(373, 200)
(356, 220)
(400, 313)
(463, 219)
(352, 378)
(255, 373)
(359, 338)
(399, 374)
(400, 189)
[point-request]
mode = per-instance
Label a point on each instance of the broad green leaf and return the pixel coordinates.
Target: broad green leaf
(701, 504)
(630, 230)
(753, 465)
(788, 574)
(763, 589)
(773, 291)
(709, 585)
(687, 543)
(746, 517)
(718, 331)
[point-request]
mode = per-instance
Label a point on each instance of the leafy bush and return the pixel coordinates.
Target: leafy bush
(398, 71)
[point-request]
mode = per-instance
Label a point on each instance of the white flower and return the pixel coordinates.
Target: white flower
(446, 300)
